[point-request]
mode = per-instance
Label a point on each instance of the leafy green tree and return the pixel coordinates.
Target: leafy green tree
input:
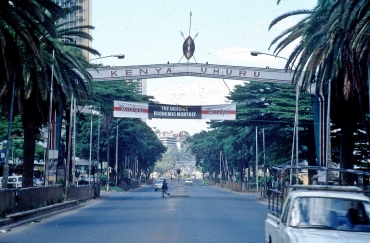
(103, 96)
(267, 106)
(173, 154)
(205, 147)
(21, 25)
(137, 141)
(272, 107)
(17, 129)
(16, 151)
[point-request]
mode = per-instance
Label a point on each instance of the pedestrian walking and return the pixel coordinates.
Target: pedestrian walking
(165, 188)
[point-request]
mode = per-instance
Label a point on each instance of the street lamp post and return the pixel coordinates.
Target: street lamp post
(256, 53)
(73, 120)
(257, 159)
(98, 150)
(69, 151)
(119, 56)
(295, 131)
(90, 144)
(264, 162)
(117, 156)
(220, 166)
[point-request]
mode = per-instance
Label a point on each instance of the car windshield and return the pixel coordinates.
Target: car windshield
(159, 181)
(330, 213)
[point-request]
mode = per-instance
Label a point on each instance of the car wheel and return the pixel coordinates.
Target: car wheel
(155, 189)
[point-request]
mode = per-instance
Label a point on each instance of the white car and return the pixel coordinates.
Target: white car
(158, 184)
(15, 181)
(188, 181)
(320, 214)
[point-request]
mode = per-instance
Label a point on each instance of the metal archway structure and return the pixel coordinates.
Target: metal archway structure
(269, 75)
(191, 69)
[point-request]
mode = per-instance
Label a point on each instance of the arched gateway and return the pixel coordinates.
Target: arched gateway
(165, 111)
(191, 69)
(211, 71)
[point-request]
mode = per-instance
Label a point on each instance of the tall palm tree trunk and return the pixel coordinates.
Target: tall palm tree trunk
(29, 144)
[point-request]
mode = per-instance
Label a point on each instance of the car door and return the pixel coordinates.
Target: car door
(283, 236)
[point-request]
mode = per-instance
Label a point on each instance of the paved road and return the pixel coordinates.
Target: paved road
(207, 215)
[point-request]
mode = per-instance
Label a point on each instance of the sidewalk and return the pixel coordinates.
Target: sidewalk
(258, 198)
(35, 215)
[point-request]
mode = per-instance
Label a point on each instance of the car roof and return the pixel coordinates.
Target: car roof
(329, 194)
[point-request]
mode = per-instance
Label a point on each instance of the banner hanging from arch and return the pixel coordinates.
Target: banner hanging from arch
(166, 111)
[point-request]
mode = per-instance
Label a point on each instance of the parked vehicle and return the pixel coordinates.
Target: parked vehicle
(188, 181)
(15, 181)
(82, 181)
(318, 213)
(158, 184)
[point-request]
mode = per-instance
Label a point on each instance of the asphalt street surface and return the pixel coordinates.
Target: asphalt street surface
(208, 214)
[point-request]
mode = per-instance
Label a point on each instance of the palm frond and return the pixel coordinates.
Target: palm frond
(286, 15)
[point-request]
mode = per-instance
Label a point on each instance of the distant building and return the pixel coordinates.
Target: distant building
(180, 138)
(140, 84)
(171, 138)
(79, 18)
(167, 138)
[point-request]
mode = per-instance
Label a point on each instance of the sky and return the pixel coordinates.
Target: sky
(148, 32)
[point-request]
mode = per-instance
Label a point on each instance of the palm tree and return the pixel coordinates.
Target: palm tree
(21, 25)
(333, 46)
(68, 66)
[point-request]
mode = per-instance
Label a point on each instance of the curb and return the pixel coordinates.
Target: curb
(34, 215)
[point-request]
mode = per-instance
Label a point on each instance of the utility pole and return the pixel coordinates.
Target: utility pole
(264, 163)
(46, 171)
(117, 156)
(10, 124)
(109, 169)
(257, 158)
(220, 166)
(98, 150)
(69, 150)
(74, 142)
(90, 144)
